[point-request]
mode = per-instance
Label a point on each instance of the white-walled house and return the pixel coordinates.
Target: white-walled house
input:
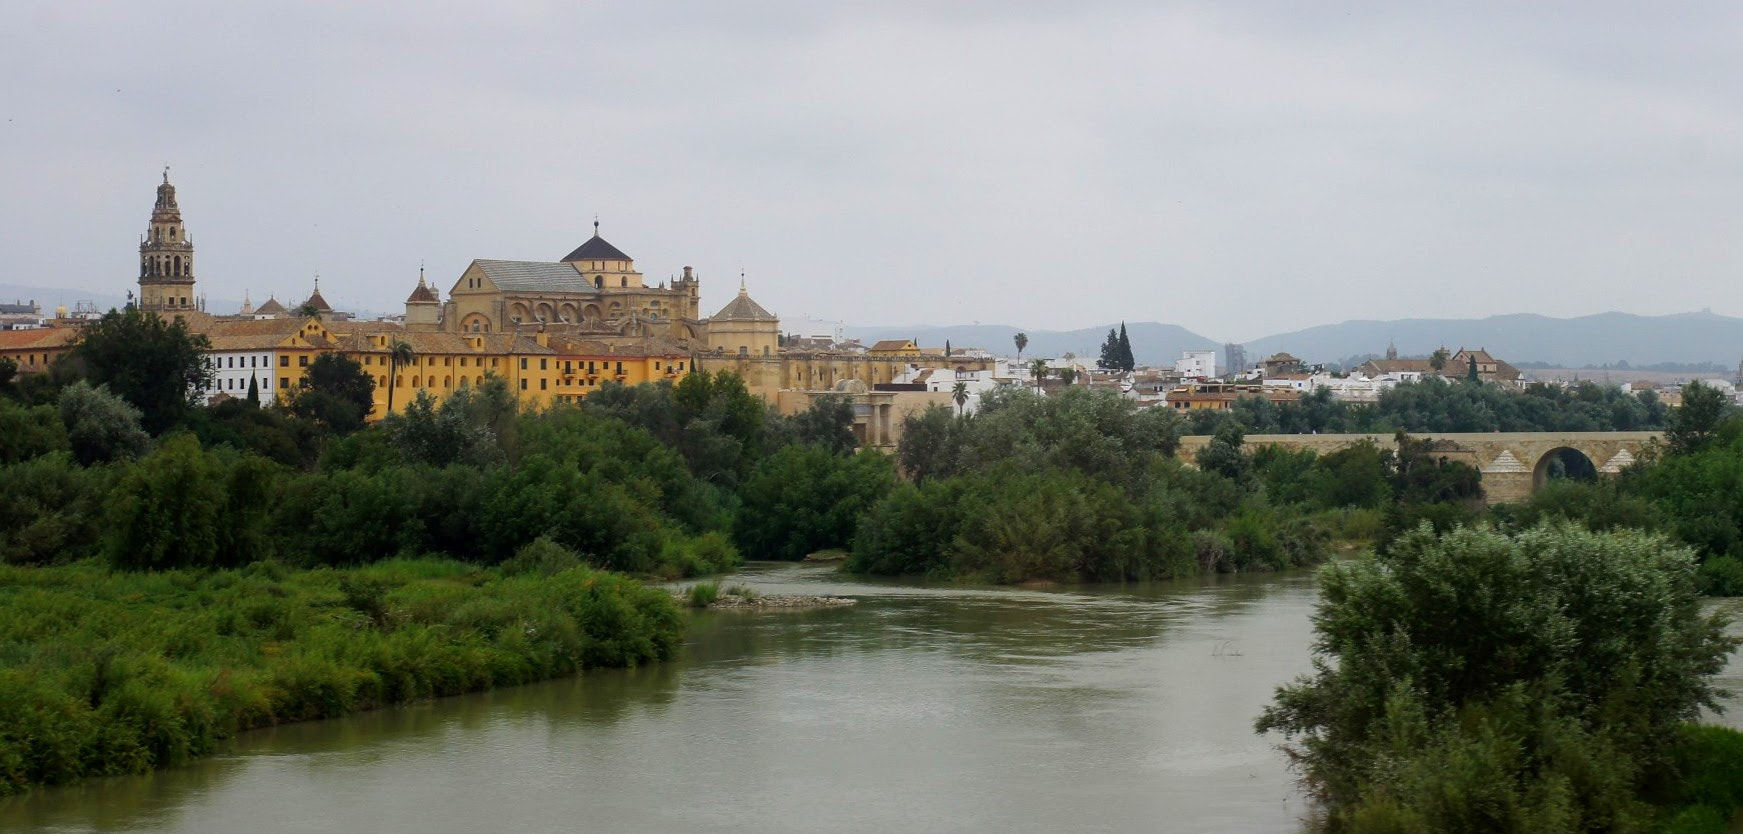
(1200, 364)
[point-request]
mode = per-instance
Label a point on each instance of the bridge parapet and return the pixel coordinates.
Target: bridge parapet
(1513, 464)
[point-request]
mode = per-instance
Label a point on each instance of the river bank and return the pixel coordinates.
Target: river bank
(106, 673)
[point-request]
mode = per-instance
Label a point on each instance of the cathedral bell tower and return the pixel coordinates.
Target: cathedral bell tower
(166, 256)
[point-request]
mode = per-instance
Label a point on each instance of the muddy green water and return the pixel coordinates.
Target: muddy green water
(919, 709)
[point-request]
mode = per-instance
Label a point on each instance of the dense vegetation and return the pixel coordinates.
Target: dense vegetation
(1435, 405)
(1539, 682)
(109, 672)
(171, 573)
(1691, 489)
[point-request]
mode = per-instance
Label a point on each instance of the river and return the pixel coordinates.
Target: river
(919, 709)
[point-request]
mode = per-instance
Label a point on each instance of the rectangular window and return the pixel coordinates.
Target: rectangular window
(523, 383)
(542, 382)
(620, 367)
(303, 361)
(523, 363)
(544, 365)
(284, 382)
(494, 360)
(656, 364)
(284, 362)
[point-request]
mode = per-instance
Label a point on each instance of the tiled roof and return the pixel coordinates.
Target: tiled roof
(596, 249)
(40, 338)
(270, 308)
(743, 308)
(423, 294)
(437, 342)
(893, 345)
(316, 301)
(536, 276)
(257, 334)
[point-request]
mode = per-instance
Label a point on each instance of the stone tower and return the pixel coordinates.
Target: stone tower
(166, 256)
(423, 308)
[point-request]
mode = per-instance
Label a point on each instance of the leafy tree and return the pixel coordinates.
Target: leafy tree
(399, 352)
(1223, 456)
(827, 423)
(336, 393)
(1692, 426)
(1481, 682)
(100, 426)
(803, 499)
(8, 377)
(1068, 375)
(166, 511)
(29, 431)
(927, 446)
(1022, 341)
(157, 365)
(440, 435)
(1437, 360)
(51, 510)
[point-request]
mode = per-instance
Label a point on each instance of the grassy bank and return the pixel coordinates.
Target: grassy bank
(105, 673)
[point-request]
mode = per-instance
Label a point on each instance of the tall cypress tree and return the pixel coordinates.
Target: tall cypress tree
(1127, 363)
(1110, 353)
(253, 390)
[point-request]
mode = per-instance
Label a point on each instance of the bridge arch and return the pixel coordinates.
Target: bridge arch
(1569, 461)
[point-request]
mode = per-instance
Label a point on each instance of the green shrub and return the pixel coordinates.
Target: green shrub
(703, 594)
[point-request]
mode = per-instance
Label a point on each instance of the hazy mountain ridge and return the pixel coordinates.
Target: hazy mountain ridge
(1526, 337)
(1604, 338)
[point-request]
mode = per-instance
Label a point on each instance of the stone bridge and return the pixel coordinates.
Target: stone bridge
(1513, 464)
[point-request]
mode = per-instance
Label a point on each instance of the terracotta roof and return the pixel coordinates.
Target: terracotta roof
(894, 345)
(316, 301)
(743, 308)
(423, 294)
(596, 249)
(438, 342)
(270, 308)
(259, 334)
(40, 338)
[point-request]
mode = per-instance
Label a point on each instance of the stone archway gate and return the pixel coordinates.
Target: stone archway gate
(1513, 464)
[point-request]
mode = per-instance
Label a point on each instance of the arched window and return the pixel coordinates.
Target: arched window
(176, 264)
(384, 382)
(623, 282)
(415, 381)
(447, 382)
(599, 281)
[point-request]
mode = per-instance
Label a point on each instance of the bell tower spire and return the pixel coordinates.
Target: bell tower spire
(166, 256)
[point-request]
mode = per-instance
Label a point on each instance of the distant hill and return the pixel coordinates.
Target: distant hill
(1153, 343)
(1586, 340)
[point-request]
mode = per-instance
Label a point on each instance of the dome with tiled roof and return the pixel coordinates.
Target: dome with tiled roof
(270, 308)
(423, 294)
(743, 308)
(316, 301)
(596, 249)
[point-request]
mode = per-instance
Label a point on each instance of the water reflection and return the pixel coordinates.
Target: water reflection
(921, 708)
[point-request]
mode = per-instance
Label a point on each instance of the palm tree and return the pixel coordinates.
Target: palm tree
(398, 353)
(1039, 369)
(1022, 340)
(959, 393)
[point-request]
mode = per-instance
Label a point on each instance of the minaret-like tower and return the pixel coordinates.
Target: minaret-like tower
(166, 256)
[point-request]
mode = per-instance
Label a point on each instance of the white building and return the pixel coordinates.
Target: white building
(232, 370)
(1199, 364)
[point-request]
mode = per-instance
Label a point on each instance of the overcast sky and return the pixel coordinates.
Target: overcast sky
(1240, 169)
